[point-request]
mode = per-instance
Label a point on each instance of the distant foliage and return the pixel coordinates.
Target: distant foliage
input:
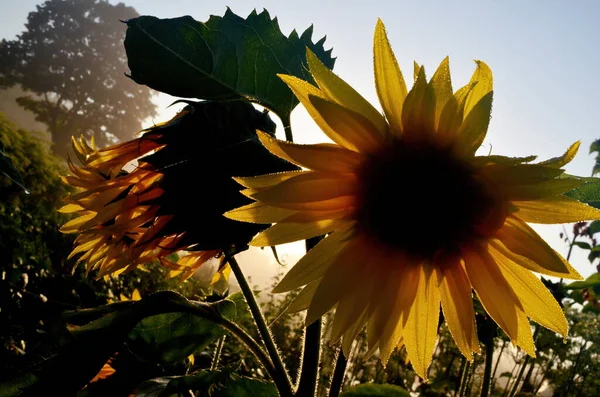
(72, 63)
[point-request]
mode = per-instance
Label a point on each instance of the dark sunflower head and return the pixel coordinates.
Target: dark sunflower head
(174, 198)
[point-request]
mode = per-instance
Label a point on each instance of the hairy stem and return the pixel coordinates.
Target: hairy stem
(283, 381)
(217, 355)
(487, 372)
(307, 385)
(337, 380)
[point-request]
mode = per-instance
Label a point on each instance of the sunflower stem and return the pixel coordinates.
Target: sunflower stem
(287, 128)
(281, 379)
(217, 355)
(487, 372)
(337, 380)
(307, 385)
(465, 379)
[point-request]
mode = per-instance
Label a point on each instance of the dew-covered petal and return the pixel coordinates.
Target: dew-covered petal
(557, 209)
(341, 92)
(442, 88)
(282, 233)
(313, 265)
(485, 85)
(418, 112)
(389, 82)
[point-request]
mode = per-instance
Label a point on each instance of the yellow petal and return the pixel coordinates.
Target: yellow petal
(519, 174)
(390, 84)
(350, 309)
(538, 303)
(312, 266)
(267, 180)
(557, 209)
(302, 90)
(418, 112)
(563, 160)
(341, 92)
(524, 337)
(451, 118)
(319, 157)
(282, 233)
(354, 127)
(307, 187)
(495, 294)
(387, 324)
(442, 88)
(258, 213)
(70, 208)
(352, 332)
(472, 132)
(310, 216)
(420, 330)
(523, 245)
(74, 225)
(485, 84)
(346, 273)
(457, 305)
(302, 301)
(540, 190)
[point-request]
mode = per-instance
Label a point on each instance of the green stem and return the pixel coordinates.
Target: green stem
(465, 379)
(515, 388)
(217, 355)
(487, 372)
(337, 380)
(307, 385)
(287, 127)
(283, 381)
(461, 372)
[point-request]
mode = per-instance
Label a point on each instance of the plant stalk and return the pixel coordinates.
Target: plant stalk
(487, 372)
(283, 381)
(337, 380)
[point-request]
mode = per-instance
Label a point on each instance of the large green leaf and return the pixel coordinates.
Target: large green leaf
(91, 345)
(171, 337)
(588, 192)
(225, 58)
(375, 390)
(207, 383)
(590, 282)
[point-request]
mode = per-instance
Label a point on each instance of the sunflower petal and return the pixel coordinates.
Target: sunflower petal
(342, 277)
(557, 209)
(563, 160)
(353, 126)
(457, 305)
(495, 294)
(442, 88)
(282, 233)
(302, 301)
(418, 112)
(319, 157)
(267, 180)
(472, 132)
(538, 303)
(341, 92)
(485, 84)
(259, 213)
(390, 84)
(352, 332)
(420, 330)
(313, 265)
(540, 190)
(302, 90)
(307, 187)
(519, 242)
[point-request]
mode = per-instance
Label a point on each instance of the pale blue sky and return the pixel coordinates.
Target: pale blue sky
(544, 54)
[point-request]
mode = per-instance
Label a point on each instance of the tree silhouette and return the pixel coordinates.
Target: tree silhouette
(72, 61)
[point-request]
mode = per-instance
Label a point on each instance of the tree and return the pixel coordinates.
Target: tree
(72, 62)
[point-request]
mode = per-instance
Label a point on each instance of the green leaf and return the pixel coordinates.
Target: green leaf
(89, 346)
(582, 245)
(225, 58)
(591, 281)
(593, 228)
(595, 147)
(8, 170)
(588, 192)
(171, 337)
(375, 390)
(208, 383)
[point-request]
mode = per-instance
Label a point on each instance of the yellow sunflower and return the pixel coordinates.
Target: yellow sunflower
(132, 215)
(415, 219)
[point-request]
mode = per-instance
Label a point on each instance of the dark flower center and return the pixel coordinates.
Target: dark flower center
(421, 199)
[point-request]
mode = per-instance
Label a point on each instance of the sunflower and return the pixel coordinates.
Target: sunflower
(414, 218)
(132, 215)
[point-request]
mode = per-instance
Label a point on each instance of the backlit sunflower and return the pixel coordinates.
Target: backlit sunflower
(415, 220)
(172, 200)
